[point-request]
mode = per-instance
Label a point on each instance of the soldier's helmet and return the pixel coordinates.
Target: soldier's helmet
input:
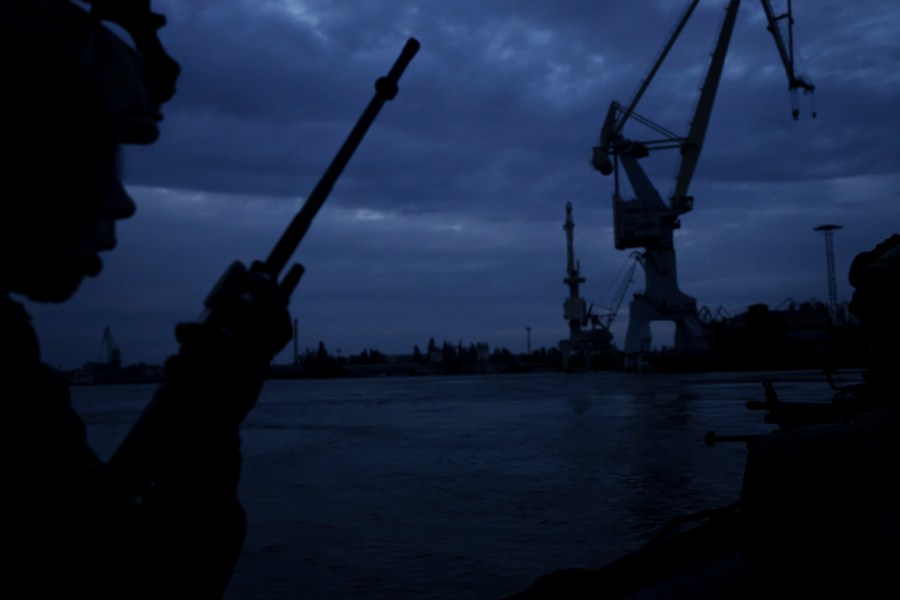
(111, 43)
(875, 275)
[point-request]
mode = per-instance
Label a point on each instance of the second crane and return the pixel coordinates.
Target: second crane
(647, 221)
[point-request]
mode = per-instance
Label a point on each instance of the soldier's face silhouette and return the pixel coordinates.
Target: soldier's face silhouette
(64, 199)
(93, 231)
(72, 91)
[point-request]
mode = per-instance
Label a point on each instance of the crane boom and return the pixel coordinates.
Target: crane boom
(786, 52)
(617, 116)
(690, 149)
(659, 61)
(607, 319)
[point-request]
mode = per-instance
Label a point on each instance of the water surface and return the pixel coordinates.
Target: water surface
(471, 486)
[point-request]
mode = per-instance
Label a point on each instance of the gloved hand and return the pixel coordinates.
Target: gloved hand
(246, 320)
(223, 359)
(188, 433)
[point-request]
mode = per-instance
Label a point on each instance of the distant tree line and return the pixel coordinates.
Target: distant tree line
(445, 358)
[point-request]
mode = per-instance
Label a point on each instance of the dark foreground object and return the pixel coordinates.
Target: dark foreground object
(698, 563)
(819, 514)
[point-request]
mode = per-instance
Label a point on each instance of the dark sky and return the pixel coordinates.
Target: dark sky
(447, 223)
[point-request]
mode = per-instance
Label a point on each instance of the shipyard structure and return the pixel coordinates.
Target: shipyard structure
(646, 221)
(793, 335)
(589, 345)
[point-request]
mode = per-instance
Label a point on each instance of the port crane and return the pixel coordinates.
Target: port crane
(110, 348)
(606, 319)
(583, 344)
(647, 221)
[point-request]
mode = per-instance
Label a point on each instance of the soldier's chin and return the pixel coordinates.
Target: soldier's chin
(93, 266)
(58, 291)
(59, 284)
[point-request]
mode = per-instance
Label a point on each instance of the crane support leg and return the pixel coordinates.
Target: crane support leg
(663, 301)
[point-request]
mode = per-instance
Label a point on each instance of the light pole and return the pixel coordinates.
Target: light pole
(828, 232)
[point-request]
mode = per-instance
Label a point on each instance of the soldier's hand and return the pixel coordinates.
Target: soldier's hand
(247, 319)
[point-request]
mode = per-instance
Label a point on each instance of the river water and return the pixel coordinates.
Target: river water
(469, 486)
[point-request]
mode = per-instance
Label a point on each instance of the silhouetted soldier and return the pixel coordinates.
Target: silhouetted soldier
(875, 276)
(823, 499)
(161, 519)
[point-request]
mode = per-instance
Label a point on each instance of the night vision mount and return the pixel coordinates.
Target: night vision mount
(142, 24)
